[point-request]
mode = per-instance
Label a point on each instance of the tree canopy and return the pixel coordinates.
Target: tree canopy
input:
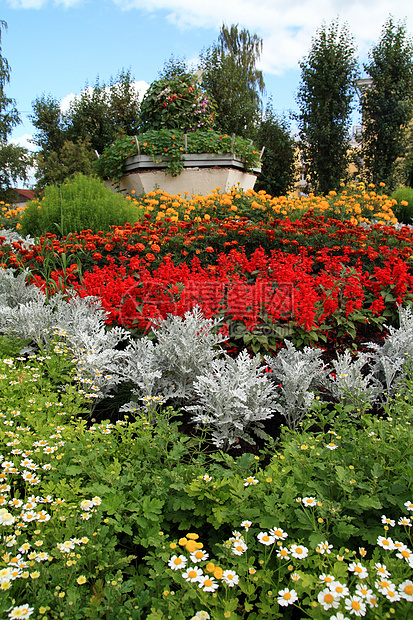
(387, 106)
(325, 96)
(230, 75)
(94, 120)
(278, 161)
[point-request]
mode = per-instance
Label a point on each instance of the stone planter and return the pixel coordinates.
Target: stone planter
(202, 173)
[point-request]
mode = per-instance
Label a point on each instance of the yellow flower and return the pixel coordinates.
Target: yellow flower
(191, 546)
(81, 580)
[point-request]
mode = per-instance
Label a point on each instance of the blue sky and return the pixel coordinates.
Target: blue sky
(56, 46)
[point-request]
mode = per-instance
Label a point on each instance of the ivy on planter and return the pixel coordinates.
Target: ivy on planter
(169, 146)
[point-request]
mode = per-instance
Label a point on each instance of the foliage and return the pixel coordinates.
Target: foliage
(104, 111)
(109, 519)
(229, 73)
(175, 66)
(233, 398)
(95, 507)
(387, 105)
(169, 146)
(324, 99)
(96, 117)
(278, 170)
(298, 374)
(55, 168)
(14, 160)
(47, 118)
(117, 502)
(177, 103)
(81, 203)
(403, 210)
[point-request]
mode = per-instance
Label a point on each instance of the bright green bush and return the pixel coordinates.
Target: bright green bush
(83, 202)
(403, 212)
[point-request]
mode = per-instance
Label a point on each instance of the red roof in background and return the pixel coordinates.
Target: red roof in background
(27, 193)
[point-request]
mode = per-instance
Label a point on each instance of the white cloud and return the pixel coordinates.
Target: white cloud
(286, 26)
(24, 140)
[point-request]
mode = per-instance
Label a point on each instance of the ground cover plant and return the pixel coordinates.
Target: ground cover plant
(157, 466)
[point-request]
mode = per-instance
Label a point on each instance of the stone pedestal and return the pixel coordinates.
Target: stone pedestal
(202, 173)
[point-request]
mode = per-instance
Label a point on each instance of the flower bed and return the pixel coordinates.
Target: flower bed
(115, 505)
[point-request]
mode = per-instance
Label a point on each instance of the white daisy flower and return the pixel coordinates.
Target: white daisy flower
(208, 584)
(250, 480)
(358, 569)
(239, 548)
(230, 578)
(355, 605)
(198, 556)
(287, 597)
(265, 539)
(386, 543)
(328, 599)
(340, 589)
(406, 590)
(309, 501)
(192, 574)
(278, 533)
(177, 562)
(298, 551)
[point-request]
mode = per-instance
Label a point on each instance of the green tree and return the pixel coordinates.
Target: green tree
(174, 67)
(58, 157)
(47, 118)
(55, 167)
(325, 95)
(278, 161)
(104, 112)
(69, 141)
(14, 160)
(231, 77)
(388, 105)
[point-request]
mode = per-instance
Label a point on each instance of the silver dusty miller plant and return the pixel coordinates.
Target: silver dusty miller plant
(350, 385)
(232, 399)
(389, 358)
(297, 374)
(185, 349)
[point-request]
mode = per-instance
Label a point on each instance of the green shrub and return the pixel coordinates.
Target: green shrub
(403, 212)
(83, 202)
